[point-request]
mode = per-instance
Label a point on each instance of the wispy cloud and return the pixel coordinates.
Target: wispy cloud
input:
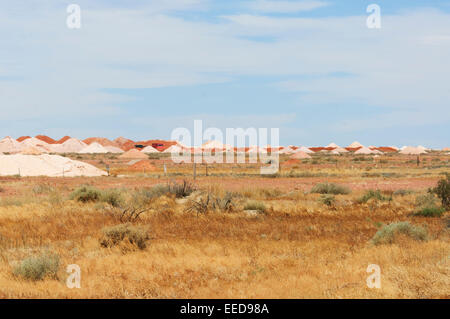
(48, 70)
(272, 6)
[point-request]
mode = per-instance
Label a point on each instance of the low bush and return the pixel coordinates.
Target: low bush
(86, 194)
(182, 189)
(255, 205)
(38, 267)
(430, 212)
(330, 188)
(134, 235)
(389, 233)
(327, 199)
(113, 197)
(374, 194)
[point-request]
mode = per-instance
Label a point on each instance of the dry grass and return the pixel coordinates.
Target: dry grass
(300, 248)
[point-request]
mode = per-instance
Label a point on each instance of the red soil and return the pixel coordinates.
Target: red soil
(292, 162)
(143, 165)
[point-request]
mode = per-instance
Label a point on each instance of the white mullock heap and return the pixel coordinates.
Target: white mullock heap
(45, 165)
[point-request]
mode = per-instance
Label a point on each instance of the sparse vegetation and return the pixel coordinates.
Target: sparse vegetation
(134, 235)
(38, 267)
(228, 244)
(86, 194)
(374, 194)
(330, 188)
(182, 189)
(255, 205)
(430, 212)
(327, 199)
(389, 233)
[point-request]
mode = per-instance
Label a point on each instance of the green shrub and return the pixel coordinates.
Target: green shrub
(430, 212)
(255, 205)
(388, 234)
(38, 267)
(327, 199)
(330, 188)
(442, 190)
(371, 194)
(114, 235)
(86, 194)
(113, 197)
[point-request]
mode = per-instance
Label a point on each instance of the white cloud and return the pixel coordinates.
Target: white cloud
(268, 6)
(403, 66)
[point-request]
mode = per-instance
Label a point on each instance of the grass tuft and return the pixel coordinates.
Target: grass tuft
(134, 235)
(38, 267)
(389, 233)
(330, 188)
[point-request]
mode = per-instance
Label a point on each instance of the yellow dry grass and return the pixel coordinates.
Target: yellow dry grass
(300, 248)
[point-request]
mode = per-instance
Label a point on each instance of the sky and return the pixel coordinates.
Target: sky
(311, 68)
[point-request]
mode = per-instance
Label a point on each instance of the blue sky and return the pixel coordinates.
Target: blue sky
(311, 68)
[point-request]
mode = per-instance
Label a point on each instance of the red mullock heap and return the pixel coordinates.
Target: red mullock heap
(46, 139)
(23, 138)
(65, 138)
(143, 165)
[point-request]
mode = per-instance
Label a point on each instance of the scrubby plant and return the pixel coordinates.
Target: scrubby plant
(330, 188)
(38, 267)
(255, 205)
(113, 197)
(225, 203)
(327, 199)
(86, 194)
(429, 212)
(134, 235)
(182, 189)
(442, 190)
(374, 194)
(389, 233)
